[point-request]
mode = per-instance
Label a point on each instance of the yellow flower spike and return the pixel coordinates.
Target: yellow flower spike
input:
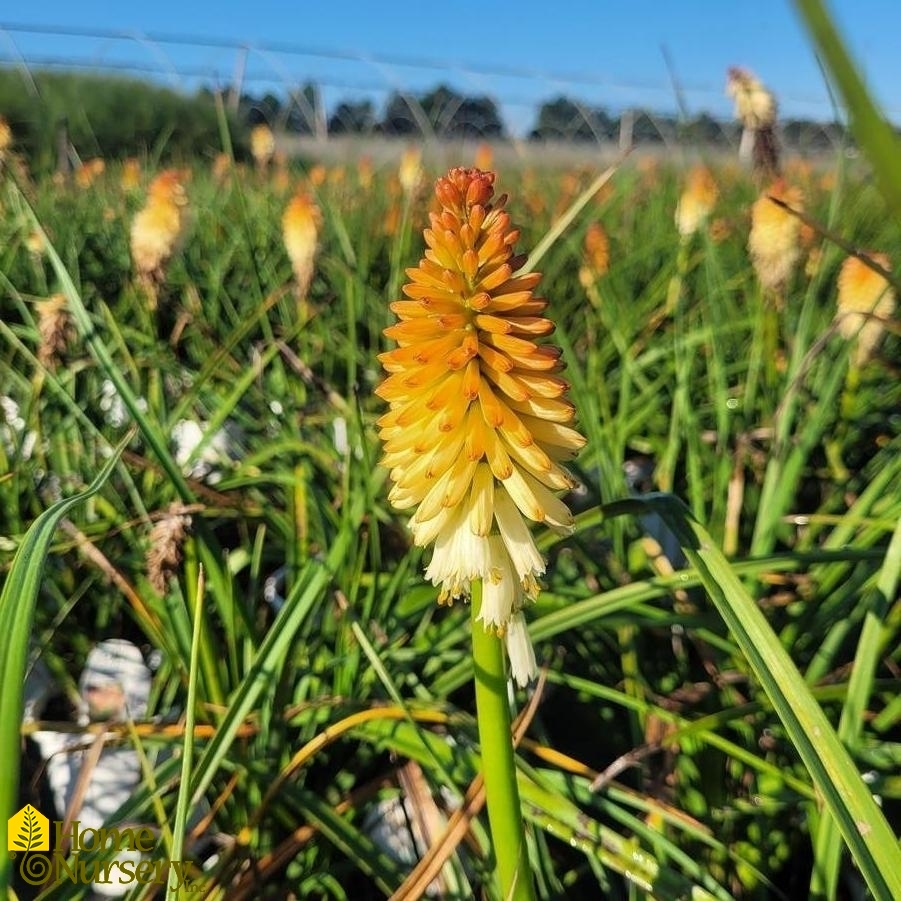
(130, 179)
(157, 230)
(865, 301)
(301, 224)
(410, 171)
(696, 202)
(774, 239)
(262, 145)
(476, 426)
(597, 250)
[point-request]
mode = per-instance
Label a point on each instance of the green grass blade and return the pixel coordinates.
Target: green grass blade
(827, 846)
(86, 327)
(17, 605)
(568, 217)
(310, 586)
(849, 801)
(869, 127)
(183, 805)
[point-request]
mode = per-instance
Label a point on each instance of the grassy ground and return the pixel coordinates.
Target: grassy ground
(328, 680)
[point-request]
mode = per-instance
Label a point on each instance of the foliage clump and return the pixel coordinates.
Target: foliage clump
(106, 116)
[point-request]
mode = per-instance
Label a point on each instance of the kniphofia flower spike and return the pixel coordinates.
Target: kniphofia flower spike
(477, 426)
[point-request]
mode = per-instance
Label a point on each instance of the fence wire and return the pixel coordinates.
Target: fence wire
(328, 93)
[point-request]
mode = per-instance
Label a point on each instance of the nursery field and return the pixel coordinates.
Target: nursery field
(208, 340)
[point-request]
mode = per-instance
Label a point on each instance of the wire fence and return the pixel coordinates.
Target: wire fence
(325, 94)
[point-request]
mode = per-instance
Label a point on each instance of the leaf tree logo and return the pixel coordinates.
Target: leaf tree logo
(28, 830)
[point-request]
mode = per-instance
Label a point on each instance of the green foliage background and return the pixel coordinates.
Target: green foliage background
(724, 804)
(107, 117)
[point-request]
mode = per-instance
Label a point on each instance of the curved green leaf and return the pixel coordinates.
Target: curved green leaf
(17, 604)
(860, 821)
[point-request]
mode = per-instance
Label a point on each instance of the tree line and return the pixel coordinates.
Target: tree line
(445, 113)
(115, 117)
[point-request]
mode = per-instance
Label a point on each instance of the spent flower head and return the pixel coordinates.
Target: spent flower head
(167, 539)
(477, 426)
(56, 330)
(755, 105)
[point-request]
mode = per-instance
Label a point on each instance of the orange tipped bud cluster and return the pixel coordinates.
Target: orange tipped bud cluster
(89, 172)
(484, 158)
(774, 239)
(477, 426)
(597, 254)
(157, 229)
(365, 172)
(300, 229)
(697, 201)
(318, 175)
(865, 301)
(131, 175)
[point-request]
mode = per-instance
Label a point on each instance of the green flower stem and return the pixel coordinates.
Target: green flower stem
(514, 878)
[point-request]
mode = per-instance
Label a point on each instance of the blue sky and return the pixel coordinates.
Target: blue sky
(603, 53)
